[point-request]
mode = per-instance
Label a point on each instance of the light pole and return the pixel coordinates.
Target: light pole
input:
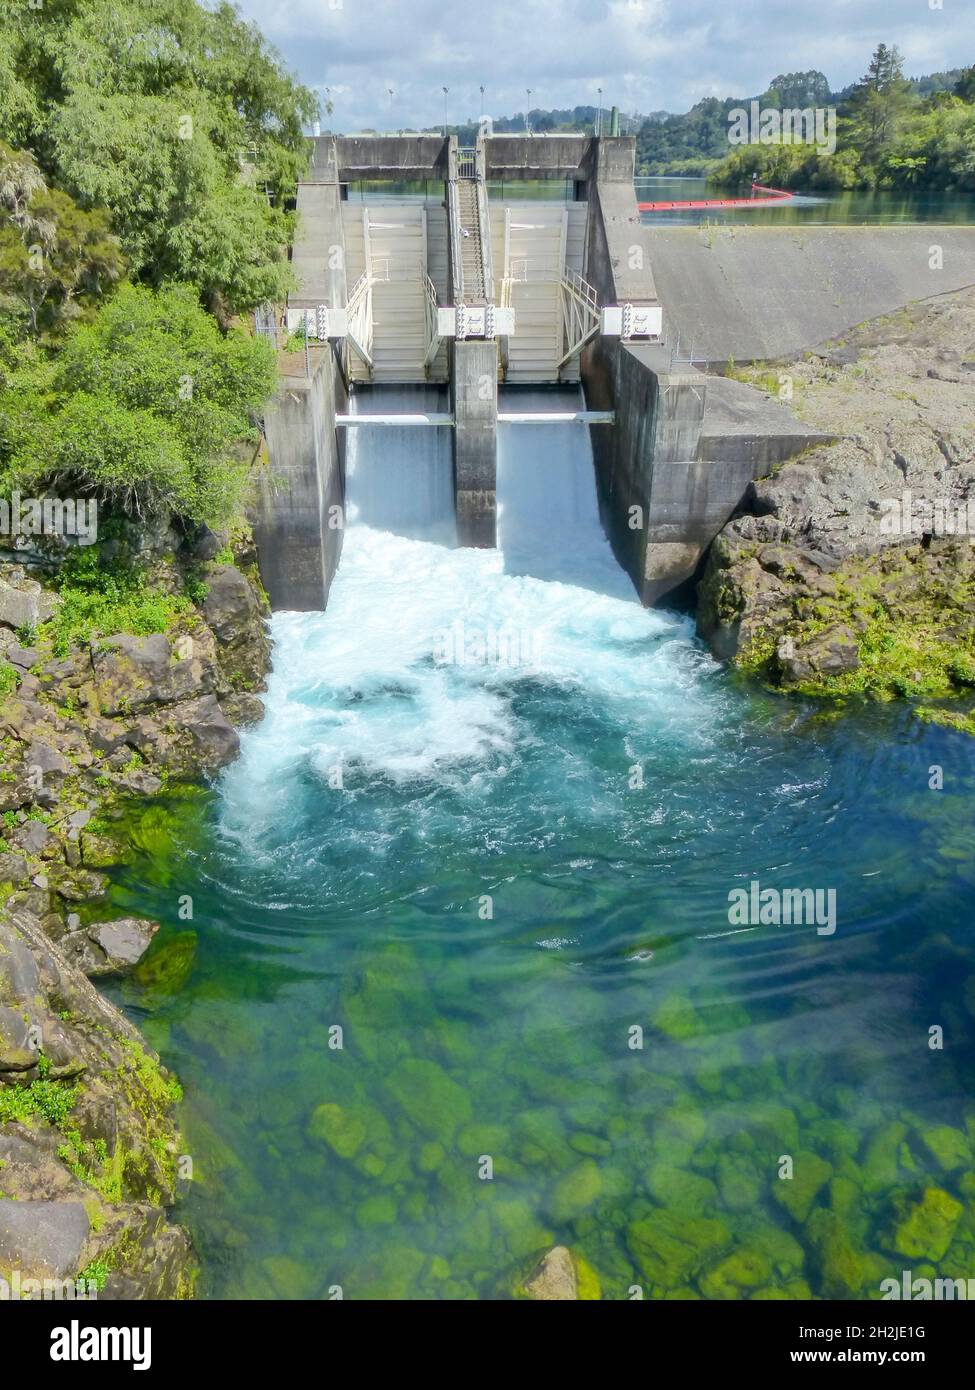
(445, 91)
(528, 108)
(599, 112)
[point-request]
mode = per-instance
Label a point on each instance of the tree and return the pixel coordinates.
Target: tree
(56, 260)
(144, 407)
(795, 90)
(179, 119)
(965, 86)
(879, 104)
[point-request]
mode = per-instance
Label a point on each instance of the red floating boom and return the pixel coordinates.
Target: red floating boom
(769, 196)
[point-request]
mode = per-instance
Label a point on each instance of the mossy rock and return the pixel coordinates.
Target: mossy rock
(810, 1174)
(542, 1140)
(879, 1166)
(925, 1230)
(431, 1156)
(783, 1251)
(517, 1222)
(390, 990)
(392, 1276)
(290, 1279)
(342, 1129)
(948, 1147)
(680, 1190)
(670, 1248)
(841, 1265)
(796, 1290)
(739, 1183)
(590, 1144)
(677, 1132)
(102, 852)
(736, 1274)
(477, 1139)
(434, 1103)
(677, 1018)
(845, 1197)
(765, 1129)
(587, 1280)
(575, 1191)
(378, 1210)
(168, 964)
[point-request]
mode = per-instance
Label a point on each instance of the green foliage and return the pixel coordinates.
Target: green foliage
(96, 1272)
(890, 134)
(145, 407)
(56, 259)
(179, 119)
(8, 679)
(100, 598)
(52, 1100)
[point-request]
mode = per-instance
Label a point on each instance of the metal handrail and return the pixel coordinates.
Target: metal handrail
(430, 305)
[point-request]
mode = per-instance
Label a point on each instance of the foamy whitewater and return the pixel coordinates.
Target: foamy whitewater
(411, 671)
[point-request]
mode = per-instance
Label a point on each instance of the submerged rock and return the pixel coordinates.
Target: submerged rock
(342, 1129)
(948, 1147)
(575, 1191)
(810, 1174)
(736, 1275)
(670, 1248)
(926, 1229)
(434, 1103)
(167, 968)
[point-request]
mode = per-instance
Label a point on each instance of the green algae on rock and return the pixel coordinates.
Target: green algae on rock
(810, 1173)
(925, 1229)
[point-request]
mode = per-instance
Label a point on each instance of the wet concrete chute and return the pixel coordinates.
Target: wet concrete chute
(427, 314)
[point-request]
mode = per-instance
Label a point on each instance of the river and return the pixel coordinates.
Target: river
(461, 979)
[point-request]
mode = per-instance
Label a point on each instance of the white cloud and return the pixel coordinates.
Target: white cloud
(646, 54)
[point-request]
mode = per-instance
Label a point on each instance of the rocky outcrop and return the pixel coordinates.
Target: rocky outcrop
(109, 948)
(88, 1145)
(851, 568)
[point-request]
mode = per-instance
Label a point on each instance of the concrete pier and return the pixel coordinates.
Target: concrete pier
(298, 513)
(474, 394)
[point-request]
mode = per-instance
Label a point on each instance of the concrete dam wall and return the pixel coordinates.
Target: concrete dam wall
(470, 290)
(757, 293)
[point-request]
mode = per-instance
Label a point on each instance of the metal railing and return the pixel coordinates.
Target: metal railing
(580, 314)
(430, 305)
(359, 327)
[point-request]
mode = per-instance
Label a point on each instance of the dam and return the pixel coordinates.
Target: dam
(459, 298)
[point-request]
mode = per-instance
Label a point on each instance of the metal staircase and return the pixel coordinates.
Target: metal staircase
(392, 302)
(556, 311)
(470, 232)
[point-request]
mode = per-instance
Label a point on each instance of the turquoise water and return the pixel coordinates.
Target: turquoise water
(489, 875)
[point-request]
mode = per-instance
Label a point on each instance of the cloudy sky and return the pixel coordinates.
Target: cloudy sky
(645, 54)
